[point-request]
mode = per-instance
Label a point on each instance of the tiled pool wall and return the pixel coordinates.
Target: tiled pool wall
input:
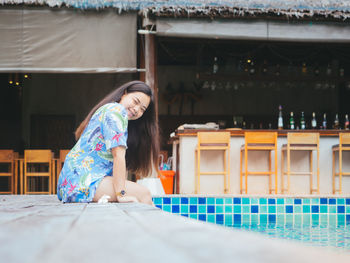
(259, 210)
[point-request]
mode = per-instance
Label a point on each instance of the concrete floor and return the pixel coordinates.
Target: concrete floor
(41, 229)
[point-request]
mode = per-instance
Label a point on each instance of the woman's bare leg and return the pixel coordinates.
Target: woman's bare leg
(142, 194)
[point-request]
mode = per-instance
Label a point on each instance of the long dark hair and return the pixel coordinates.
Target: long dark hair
(143, 133)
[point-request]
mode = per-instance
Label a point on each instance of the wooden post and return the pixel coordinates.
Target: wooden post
(151, 66)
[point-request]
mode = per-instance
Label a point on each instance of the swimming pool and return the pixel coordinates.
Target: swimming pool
(318, 221)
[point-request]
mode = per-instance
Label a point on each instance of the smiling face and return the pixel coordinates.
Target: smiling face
(135, 104)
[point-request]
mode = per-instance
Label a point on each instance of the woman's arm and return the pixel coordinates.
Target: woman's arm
(119, 174)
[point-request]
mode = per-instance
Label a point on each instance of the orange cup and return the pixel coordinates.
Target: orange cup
(167, 179)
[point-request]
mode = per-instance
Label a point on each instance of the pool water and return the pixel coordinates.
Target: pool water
(316, 221)
(337, 237)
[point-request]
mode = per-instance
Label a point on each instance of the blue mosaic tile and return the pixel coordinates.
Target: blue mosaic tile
(236, 201)
(202, 200)
(341, 209)
(193, 209)
(332, 201)
(254, 218)
(219, 218)
(297, 201)
(175, 209)
(255, 209)
(184, 200)
(211, 209)
(166, 200)
(237, 219)
(272, 218)
(159, 206)
(315, 209)
(348, 219)
(202, 217)
(289, 209)
(185, 215)
(347, 201)
(272, 201)
(289, 201)
(323, 201)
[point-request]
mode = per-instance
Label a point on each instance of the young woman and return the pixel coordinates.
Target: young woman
(120, 133)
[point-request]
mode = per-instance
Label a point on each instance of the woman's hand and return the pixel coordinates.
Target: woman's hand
(127, 199)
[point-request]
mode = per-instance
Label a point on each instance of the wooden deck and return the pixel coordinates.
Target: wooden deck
(41, 229)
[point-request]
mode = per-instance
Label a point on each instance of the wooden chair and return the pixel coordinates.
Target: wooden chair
(8, 157)
(37, 157)
(259, 141)
(213, 141)
(59, 164)
(301, 142)
(344, 145)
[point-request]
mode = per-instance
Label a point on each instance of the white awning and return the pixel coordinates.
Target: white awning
(300, 31)
(67, 40)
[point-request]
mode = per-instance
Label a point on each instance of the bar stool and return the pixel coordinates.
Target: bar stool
(7, 157)
(344, 145)
(214, 141)
(259, 141)
(301, 142)
(37, 157)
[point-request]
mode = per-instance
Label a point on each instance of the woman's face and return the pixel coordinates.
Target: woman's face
(135, 104)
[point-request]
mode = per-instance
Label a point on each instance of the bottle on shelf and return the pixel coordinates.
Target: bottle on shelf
(336, 122)
(235, 124)
(314, 121)
(346, 122)
(291, 121)
(244, 125)
(215, 65)
(302, 121)
(324, 122)
(280, 118)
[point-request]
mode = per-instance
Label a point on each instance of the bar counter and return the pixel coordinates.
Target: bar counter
(185, 141)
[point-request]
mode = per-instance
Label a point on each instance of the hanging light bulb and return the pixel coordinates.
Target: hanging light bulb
(10, 79)
(16, 80)
(26, 76)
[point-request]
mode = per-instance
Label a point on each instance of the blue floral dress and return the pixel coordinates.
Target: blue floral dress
(91, 159)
